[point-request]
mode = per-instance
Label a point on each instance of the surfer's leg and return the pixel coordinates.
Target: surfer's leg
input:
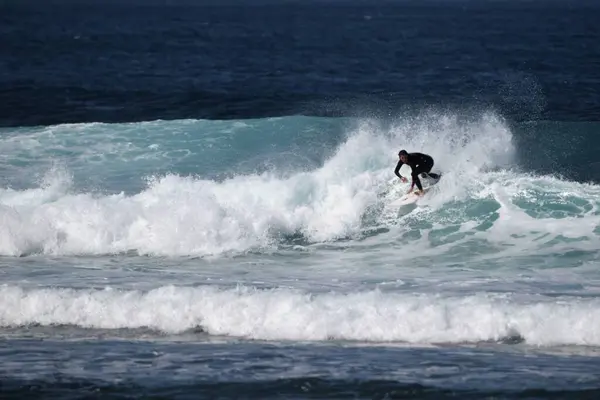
(422, 170)
(426, 168)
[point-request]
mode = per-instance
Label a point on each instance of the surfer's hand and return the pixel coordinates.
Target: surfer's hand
(404, 179)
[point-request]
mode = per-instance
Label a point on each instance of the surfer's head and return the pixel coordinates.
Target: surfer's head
(403, 155)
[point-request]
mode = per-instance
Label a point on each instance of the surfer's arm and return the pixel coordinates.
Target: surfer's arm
(397, 170)
(412, 185)
(416, 181)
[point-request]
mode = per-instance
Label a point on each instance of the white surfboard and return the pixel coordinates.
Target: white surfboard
(410, 198)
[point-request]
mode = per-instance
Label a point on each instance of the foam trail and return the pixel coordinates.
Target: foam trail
(284, 314)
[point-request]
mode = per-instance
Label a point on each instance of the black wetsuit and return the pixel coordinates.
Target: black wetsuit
(419, 163)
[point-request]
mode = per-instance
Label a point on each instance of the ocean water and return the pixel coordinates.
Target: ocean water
(196, 200)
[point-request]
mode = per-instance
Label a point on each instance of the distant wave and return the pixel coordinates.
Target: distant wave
(283, 314)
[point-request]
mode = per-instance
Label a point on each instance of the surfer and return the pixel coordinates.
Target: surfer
(419, 164)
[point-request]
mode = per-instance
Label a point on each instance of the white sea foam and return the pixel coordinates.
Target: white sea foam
(185, 215)
(283, 314)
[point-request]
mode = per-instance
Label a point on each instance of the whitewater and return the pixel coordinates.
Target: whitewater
(281, 229)
(181, 213)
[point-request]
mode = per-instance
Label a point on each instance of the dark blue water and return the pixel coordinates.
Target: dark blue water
(89, 61)
(214, 281)
(170, 370)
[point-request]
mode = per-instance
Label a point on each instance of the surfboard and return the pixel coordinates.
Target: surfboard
(410, 198)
